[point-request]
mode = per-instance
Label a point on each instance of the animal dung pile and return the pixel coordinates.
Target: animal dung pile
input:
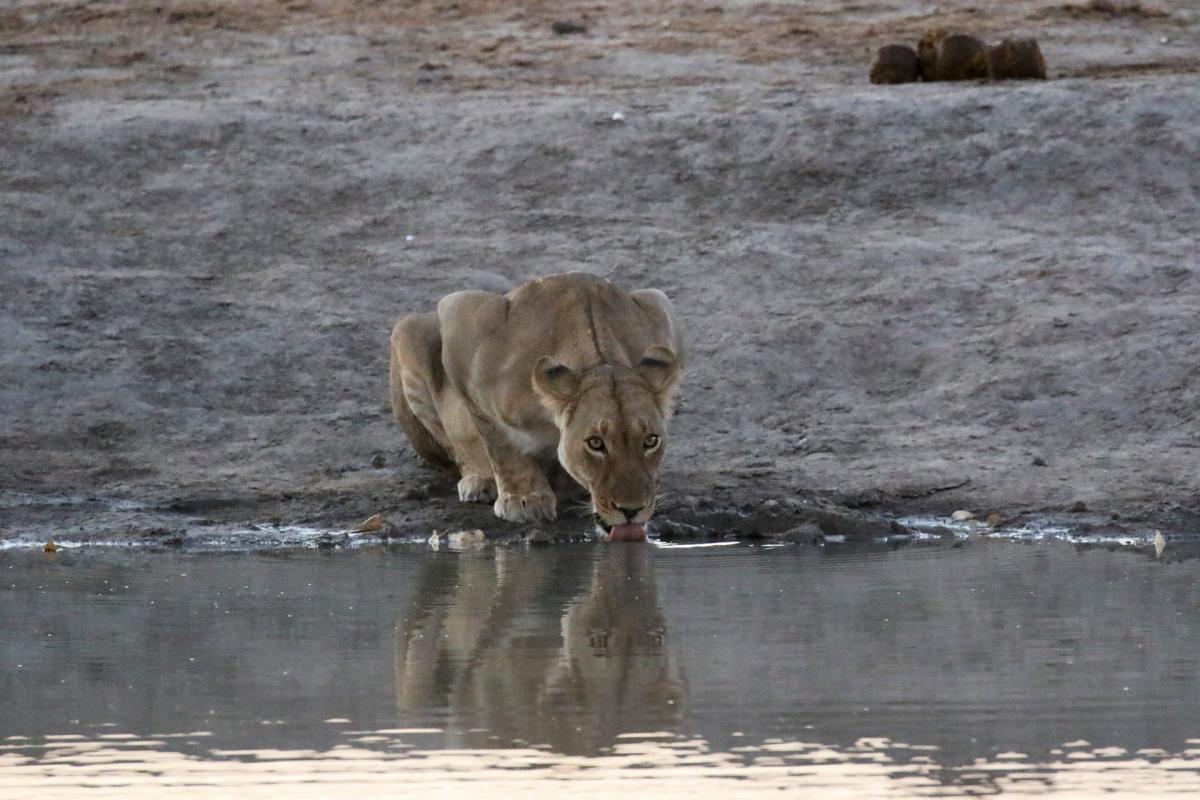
(951, 57)
(1016, 60)
(895, 63)
(942, 56)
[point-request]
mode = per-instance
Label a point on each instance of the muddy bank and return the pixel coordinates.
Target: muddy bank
(898, 299)
(232, 524)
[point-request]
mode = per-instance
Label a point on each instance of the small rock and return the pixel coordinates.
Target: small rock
(962, 515)
(618, 117)
(378, 461)
(994, 520)
(770, 504)
(808, 533)
(417, 493)
(568, 27)
(331, 541)
(1038, 461)
(1078, 507)
(538, 536)
(1160, 543)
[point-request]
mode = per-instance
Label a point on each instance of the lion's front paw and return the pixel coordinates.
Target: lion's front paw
(530, 507)
(476, 489)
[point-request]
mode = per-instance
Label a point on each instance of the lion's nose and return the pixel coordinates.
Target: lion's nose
(630, 513)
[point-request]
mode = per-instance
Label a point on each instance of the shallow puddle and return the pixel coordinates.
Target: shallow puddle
(843, 670)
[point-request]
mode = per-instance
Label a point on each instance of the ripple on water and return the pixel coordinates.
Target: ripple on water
(846, 670)
(660, 764)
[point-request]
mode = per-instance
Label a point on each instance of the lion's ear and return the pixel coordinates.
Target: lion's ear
(660, 369)
(554, 381)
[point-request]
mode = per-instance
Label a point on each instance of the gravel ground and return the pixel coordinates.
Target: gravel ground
(898, 299)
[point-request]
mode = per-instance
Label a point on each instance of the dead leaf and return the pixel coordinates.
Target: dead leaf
(371, 524)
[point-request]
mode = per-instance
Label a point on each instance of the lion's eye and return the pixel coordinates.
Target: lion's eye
(650, 442)
(595, 444)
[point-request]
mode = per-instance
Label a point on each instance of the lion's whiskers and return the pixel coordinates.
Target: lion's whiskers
(581, 506)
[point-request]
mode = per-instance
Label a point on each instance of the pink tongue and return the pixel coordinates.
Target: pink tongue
(632, 532)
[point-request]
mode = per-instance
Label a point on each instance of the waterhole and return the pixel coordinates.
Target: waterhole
(843, 670)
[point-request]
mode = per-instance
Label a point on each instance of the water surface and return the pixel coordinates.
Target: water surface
(845, 669)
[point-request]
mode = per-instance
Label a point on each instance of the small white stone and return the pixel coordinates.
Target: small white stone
(962, 516)
(409, 238)
(458, 540)
(618, 116)
(1160, 543)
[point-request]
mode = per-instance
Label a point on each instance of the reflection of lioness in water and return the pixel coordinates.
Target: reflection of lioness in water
(540, 646)
(497, 385)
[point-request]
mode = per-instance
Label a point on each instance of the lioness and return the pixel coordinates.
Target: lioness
(568, 365)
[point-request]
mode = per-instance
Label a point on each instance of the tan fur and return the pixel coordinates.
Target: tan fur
(505, 384)
(582, 650)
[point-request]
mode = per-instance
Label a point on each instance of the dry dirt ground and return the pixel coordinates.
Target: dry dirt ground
(898, 299)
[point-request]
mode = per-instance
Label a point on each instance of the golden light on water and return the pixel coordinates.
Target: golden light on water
(122, 766)
(936, 672)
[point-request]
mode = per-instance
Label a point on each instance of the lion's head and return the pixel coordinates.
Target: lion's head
(612, 422)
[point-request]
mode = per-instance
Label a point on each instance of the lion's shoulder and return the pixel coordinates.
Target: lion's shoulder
(491, 342)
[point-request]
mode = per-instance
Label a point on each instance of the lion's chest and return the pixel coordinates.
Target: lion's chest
(533, 440)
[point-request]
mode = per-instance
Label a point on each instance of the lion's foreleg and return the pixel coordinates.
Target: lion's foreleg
(478, 483)
(523, 493)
